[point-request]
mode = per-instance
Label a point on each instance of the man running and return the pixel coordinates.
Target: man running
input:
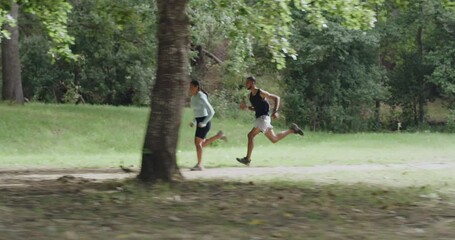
(260, 105)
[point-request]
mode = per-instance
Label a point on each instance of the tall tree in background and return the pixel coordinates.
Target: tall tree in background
(11, 65)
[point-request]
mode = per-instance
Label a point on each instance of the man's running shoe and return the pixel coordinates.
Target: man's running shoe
(244, 161)
(296, 129)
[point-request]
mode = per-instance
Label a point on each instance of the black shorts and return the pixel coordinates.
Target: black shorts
(202, 132)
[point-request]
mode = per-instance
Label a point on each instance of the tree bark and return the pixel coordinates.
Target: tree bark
(377, 110)
(11, 65)
(168, 94)
(420, 77)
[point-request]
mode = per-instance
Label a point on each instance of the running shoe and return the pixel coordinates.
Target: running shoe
(244, 161)
(222, 136)
(296, 129)
(197, 168)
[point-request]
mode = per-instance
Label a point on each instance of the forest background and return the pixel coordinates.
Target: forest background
(398, 75)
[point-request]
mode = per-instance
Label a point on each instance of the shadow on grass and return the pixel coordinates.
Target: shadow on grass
(80, 209)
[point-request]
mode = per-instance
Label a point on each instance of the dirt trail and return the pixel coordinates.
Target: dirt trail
(18, 177)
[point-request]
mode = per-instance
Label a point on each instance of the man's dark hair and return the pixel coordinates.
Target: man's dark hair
(251, 78)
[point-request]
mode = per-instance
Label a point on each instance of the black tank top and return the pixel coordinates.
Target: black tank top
(261, 106)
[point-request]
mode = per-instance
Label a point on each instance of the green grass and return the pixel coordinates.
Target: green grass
(409, 203)
(46, 135)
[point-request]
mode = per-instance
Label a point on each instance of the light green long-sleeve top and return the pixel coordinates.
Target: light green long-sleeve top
(201, 107)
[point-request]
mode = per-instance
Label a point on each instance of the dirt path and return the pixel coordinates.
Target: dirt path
(17, 177)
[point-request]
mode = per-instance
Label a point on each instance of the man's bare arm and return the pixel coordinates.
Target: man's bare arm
(244, 106)
(275, 98)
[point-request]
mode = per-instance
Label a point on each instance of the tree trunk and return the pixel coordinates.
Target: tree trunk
(377, 110)
(11, 65)
(168, 94)
(420, 77)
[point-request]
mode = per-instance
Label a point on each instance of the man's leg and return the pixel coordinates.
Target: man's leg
(270, 134)
(251, 135)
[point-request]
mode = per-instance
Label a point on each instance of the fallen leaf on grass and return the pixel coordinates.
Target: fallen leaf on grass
(175, 219)
(434, 196)
(415, 230)
(175, 198)
(277, 235)
(256, 222)
(357, 210)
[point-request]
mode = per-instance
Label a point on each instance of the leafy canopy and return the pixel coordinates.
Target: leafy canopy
(53, 14)
(269, 22)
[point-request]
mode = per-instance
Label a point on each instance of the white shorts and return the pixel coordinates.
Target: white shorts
(263, 123)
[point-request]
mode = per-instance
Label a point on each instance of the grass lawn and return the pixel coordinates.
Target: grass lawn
(46, 135)
(392, 204)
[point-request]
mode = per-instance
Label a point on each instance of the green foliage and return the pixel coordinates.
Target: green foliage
(53, 15)
(5, 19)
(269, 22)
(417, 47)
(226, 105)
(41, 79)
(336, 81)
(442, 56)
(333, 85)
(259, 30)
(116, 42)
(116, 46)
(213, 23)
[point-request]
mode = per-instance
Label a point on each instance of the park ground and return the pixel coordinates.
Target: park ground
(60, 179)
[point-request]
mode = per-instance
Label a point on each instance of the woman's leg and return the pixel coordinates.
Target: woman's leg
(198, 142)
(219, 135)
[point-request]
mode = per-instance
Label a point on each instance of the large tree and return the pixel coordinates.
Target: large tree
(11, 65)
(268, 21)
(168, 94)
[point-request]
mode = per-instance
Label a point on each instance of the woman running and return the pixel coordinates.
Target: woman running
(203, 113)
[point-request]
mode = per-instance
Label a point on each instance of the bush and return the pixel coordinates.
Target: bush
(227, 105)
(450, 127)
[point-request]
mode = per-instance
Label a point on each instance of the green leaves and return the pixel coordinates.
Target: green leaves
(269, 22)
(53, 14)
(336, 79)
(5, 19)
